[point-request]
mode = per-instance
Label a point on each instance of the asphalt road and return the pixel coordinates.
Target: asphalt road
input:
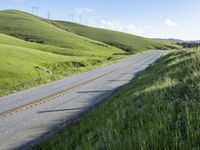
(31, 116)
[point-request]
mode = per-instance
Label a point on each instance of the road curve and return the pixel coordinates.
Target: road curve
(30, 116)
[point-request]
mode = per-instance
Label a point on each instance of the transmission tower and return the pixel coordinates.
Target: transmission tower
(34, 10)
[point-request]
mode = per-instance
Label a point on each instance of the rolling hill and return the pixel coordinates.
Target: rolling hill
(21, 63)
(34, 51)
(127, 42)
(34, 29)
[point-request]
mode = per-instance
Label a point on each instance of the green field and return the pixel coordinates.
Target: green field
(127, 42)
(159, 110)
(34, 52)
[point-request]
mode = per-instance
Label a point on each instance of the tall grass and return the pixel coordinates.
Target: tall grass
(159, 110)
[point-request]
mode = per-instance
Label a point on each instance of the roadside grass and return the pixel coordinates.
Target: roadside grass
(159, 110)
(128, 42)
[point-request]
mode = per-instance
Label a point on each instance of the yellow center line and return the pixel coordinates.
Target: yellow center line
(57, 95)
(51, 97)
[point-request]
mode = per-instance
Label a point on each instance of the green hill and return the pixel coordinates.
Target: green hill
(127, 42)
(12, 41)
(24, 64)
(19, 64)
(34, 29)
(33, 52)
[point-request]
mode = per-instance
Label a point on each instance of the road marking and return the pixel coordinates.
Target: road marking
(59, 94)
(51, 97)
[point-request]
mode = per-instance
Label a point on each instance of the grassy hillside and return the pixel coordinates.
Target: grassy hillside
(21, 65)
(159, 110)
(34, 29)
(33, 52)
(12, 41)
(127, 42)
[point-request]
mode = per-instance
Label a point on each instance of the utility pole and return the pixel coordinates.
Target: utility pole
(32, 10)
(49, 17)
(36, 10)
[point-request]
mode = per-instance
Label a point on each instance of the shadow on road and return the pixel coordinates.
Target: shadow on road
(119, 80)
(60, 110)
(100, 91)
(59, 127)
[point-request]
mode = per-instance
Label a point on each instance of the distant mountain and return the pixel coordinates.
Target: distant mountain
(197, 41)
(175, 40)
(168, 40)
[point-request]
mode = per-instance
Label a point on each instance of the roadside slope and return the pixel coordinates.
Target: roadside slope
(159, 110)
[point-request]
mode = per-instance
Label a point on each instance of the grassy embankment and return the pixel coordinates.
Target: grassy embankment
(159, 110)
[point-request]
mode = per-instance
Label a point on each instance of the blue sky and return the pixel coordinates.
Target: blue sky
(150, 18)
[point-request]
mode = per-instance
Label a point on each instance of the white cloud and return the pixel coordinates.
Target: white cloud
(17, 1)
(81, 10)
(170, 23)
(120, 26)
